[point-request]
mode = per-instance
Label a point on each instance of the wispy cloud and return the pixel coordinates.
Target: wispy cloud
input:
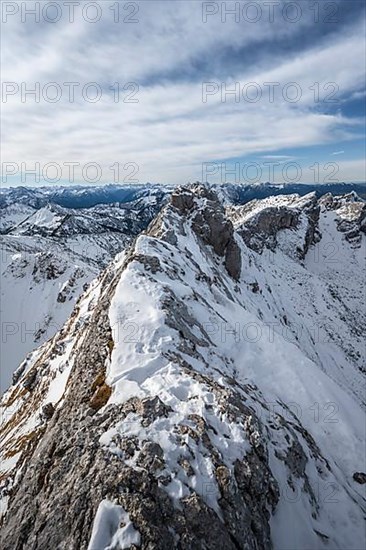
(169, 132)
(338, 153)
(277, 157)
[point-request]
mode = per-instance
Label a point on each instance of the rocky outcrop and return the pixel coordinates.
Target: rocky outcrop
(262, 230)
(211, 225)
(360, 477)
(350, 213)
(312, 235)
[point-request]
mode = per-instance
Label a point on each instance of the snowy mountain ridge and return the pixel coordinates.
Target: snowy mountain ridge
(48, 256)
(207, 390)
(86, 196)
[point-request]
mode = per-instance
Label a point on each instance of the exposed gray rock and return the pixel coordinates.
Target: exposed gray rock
(351, 211)
(263, 228)
(30, 381)
(233, 259)
(48, 411)
(151, 263)
(214, 229)
(182, 200)
(360, 477)
(312, 236)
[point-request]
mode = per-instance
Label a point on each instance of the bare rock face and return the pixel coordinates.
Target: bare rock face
(47, 266)
(182, 201)
(360, 477)
(354, 224)
(212, 226)
(312, 235)
(262, 225)
(263, 229)
(48, 411)
(351, 215)
(233, 259)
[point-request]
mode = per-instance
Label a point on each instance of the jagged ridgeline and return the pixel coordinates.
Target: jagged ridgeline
(49, 253)
(206, 392)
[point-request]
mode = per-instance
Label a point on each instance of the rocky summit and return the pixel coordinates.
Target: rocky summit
(206, 392)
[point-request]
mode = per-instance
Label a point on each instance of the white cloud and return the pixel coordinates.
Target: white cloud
(170, 132)
(347, 171)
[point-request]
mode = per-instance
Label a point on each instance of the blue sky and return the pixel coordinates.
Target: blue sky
(175, 59)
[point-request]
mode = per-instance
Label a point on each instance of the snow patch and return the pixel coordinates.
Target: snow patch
(112, 528)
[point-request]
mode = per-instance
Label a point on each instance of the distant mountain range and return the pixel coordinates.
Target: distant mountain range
(78, 196)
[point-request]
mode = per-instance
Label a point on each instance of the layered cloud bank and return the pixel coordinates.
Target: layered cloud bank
(160, 88)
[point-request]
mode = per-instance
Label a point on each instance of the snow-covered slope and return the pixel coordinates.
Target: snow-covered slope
(40, 282)
(14, 214)
(182, 398)
(57, 221)
(48, 256)
(308, 280)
